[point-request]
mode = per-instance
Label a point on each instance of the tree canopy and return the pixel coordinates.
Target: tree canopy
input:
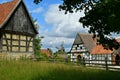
(101, 17)
(37, 1)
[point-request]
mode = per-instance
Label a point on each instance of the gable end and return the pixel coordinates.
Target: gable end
(20, 21)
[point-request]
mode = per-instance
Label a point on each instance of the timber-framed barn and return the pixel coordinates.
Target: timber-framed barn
(17, 30)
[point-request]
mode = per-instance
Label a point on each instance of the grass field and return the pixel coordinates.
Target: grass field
(31, 70)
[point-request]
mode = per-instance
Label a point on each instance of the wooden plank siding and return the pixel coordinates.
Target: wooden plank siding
(19, 22)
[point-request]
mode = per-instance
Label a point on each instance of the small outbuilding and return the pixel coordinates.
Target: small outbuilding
(47, 52)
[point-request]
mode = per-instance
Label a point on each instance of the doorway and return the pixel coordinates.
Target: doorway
(79, 58)
(117, 58)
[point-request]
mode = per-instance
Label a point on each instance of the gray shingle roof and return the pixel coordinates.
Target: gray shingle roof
(85, 39)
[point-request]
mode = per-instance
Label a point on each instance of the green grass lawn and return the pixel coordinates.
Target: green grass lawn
(30, 70)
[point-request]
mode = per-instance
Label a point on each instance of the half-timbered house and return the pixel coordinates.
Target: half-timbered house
(82, 47)
(17, 30)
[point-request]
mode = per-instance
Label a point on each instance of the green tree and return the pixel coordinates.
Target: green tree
(37, 41)
(37, 46)
(37, 1)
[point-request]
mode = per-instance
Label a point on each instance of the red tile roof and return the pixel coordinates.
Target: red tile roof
(99, 49)
(46, 51)
(6, 9)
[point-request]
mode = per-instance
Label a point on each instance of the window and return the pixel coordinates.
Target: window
(81, 47)
(73, 54)
(75, 48)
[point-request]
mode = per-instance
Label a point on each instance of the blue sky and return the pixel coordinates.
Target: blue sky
(54, 25)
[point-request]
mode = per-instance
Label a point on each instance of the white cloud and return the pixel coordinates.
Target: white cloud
(37, 10)
(62, 24)
(115, 35)
(63, 28)
(53, 42)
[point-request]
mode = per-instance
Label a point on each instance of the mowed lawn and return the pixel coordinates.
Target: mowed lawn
(31, 70)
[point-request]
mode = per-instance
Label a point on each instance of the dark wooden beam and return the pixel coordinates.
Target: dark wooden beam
(15, 32)
(0, 41)
(11, 42)
(6, 42)
(26, 44)
(19, 44)
(30, 40)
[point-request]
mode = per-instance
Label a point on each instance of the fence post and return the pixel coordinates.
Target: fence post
(83, 61)
(106, 64)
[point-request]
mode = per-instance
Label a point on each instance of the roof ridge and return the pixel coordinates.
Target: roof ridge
(84, 33)
(5, 3)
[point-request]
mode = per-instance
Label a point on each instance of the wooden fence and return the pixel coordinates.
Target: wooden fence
(105, 64)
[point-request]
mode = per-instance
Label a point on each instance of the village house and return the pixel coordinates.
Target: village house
(85, 46)
(82, 47)
(17, 30)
